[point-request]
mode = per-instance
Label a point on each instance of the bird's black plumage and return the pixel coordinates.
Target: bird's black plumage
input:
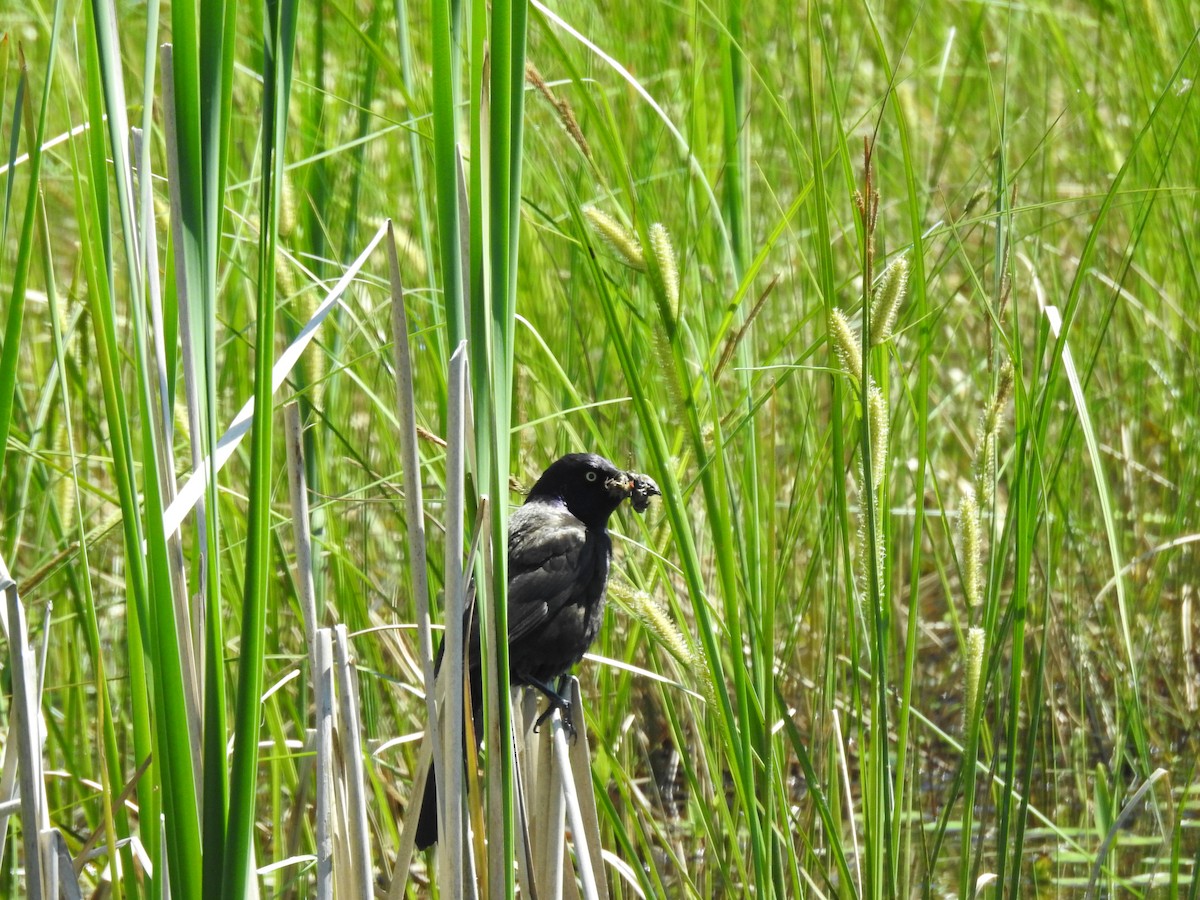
(558, 558)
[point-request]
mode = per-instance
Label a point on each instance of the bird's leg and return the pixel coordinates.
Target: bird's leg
(557, 701)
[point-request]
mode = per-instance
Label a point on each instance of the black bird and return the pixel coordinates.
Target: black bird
(558, 558)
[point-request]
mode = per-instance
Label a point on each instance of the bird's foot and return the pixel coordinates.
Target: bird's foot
(557, 701)
(568, 725)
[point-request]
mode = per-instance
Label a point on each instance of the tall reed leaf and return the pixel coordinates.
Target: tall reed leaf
(175, 724)
(9, 353)
(279, 38)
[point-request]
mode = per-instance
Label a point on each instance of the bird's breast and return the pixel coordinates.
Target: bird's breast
(570, 628)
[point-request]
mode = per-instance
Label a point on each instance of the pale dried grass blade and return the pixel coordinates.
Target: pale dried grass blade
(193, 488)
(25, 721)
(323, 698)
(585, 821)
(350, 734)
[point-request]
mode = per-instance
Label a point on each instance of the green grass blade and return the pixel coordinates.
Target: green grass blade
(279, 36)
(9, 353)
(175, 720)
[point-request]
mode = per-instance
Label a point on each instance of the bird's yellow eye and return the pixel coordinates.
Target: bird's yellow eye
(590, 476)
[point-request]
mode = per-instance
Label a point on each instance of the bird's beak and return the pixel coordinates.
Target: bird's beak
(621, 485)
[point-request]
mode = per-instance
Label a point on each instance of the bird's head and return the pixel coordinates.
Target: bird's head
(590, 486)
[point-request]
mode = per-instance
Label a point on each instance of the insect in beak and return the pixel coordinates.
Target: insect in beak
(643, 489)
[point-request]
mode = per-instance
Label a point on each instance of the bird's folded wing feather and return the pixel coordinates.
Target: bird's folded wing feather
(546, 546)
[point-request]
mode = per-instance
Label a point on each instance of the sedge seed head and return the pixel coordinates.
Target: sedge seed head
(624, 244)
(667, 280)
(657, 619)
(976, 642)
(985, 471)
(845, 345)
(566, 115)
(666, 361)
(312, 363)
(886, 304)
(1004, 390)
(877, 410)
(972, 549)
(287, 208)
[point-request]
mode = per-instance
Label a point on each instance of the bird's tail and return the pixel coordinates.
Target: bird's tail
(427, 827)
(427, 824)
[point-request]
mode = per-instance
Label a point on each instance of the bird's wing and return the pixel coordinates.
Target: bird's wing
(546, 549)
